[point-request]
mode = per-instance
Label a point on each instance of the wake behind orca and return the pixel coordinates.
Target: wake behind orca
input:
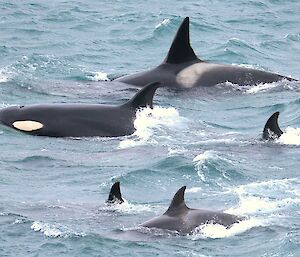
(78, 120)
(183, 69)
(179, 217)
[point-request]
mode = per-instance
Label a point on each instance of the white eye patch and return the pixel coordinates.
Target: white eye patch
(27, 125)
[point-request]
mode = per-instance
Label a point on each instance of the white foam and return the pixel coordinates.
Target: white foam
(199, 161)
(3, 78)
(19, 221)
(47, 229)
(249, 66)
(50, 230)
(261, 88)
(147, 120)
(217, 141)
(193, 190)
(259, 197)
(5, 75)
(127, 208)
(163, 23)
(176, 151)
(219, 231)
(204, 156)
(252, 204)
(291, 136)
(100, 76)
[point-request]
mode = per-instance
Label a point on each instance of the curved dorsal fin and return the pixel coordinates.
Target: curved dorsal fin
(177, 203)
(144, 97)
(271, 129)
(181, 50)
(115, 195)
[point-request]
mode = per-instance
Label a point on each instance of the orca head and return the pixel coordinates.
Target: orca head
(13, 116)
(10, 114)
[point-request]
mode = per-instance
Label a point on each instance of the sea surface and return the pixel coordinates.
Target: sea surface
(53, 190)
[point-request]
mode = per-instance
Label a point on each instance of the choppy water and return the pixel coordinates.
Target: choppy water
(52, 191)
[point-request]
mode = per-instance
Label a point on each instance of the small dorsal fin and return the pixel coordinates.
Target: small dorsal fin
(271, 129)
(181, 50)
(177, 203)
(115, 195)
(144, 97)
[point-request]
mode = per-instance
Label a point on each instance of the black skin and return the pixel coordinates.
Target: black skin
(81, 120)
(183, 69)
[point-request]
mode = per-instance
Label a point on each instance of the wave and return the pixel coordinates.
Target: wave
(36, 158)
(210, 166)
(265, 197)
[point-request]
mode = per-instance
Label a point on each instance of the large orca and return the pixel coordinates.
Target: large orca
(272, 130)
(183, 69)
(78, 120)
(179, 217)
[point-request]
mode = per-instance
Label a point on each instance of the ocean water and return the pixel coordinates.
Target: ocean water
(52, 190)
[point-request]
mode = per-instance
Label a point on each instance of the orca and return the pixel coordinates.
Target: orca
(115, 196)
(78, 120)
(183, 219)
(183, 69)
(272, 130)
(179, 217)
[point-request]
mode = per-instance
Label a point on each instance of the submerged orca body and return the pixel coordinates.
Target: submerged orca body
(179, 217)
(272, 130)
(78, 120)
(183, 69)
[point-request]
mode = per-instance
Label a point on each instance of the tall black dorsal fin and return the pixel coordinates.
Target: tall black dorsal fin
(144, 97)
(177, 203)
(181, 50)
(115, 195)
(272, 130)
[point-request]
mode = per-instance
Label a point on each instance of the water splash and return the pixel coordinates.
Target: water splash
(47, 229)
(56, 230)
(291, 136)
(147, 121)
(126, 208)
(261, 88)
(99, 76)
(219, 231)
(5, 75)
(265, 197)
(165, 22)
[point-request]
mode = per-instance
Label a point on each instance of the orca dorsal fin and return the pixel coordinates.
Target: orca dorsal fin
(271, 129)
(115, 195)
(177, 203)
(144, 97)
(181, 50)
